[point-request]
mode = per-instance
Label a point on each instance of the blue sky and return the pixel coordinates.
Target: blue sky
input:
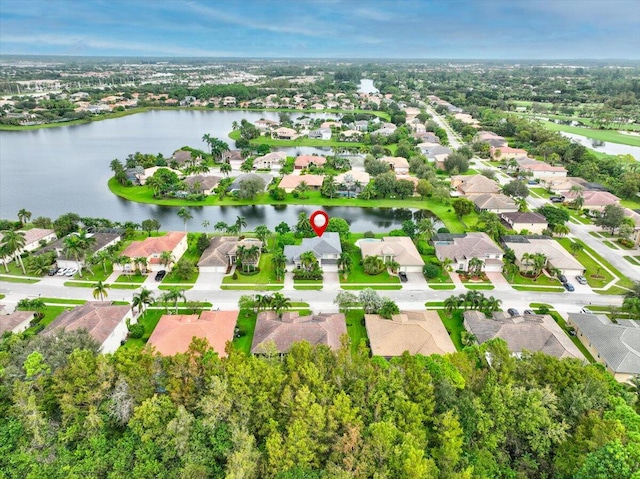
(494, 29)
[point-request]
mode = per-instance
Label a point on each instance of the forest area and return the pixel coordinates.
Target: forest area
(70, 412)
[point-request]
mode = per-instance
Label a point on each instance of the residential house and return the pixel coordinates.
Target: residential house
(35, 238)
(466, 185)
(174, 332)
(531, 332)
(492, 138)
(349, 135)
(202, 184)
(468, 119)
(222, 253)
(438, 160)
(229, 101)
(417, 332)
(317, 106)
(361, 125)
(331, 124)
(397, 164)
(268, 161)
(430, 137)
(394, 248)
(506, 152)
(183, 158)
(149, 172)
(102, 242)
(592, 199)
(352, 182)
(265, 125)
(326, 249)
(534, 223)
(557, 256)
(152, 248)
(384, 132)
(320, 134)
(15, 322)
(635, 217)
(284, 133)
(235, 186)
(495, 203)
(231, 156)
(279, 334)
(561, 185)
(540, 169)
(461, 248)
(614, 345)
(305, 161)
(104, 321)
(291, 182)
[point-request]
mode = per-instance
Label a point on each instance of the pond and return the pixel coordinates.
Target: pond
(604, 146)
(59, 170)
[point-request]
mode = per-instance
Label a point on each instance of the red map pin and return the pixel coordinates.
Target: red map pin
(319, 221)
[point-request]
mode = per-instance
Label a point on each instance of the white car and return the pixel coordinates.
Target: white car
(61, 271)
(71, 272)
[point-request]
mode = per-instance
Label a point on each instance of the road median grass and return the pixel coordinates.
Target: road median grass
(441, 286)
(249, 287)
(544, 289)
(12, 279)
(372, 286)
(479, 287)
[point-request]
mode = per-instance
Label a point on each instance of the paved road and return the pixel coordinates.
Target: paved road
(454, 140)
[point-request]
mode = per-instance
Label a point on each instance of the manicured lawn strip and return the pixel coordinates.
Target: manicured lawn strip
(143, 194)
(265, 276)
(2, 296)
(541, 192)
(300, 141)
(442, 286)
(632, 260)
(184, 287)
(479, 286)
(307, 281)
(603, 135)
(610, 244)
(453, 323)
(542, 280)
(307, 288)
(10, 279)
(590, 265)
(372, 286)
(124, 286)
(133, 278)
(63, 301)
(246, 324)
(99, 273)
(249, 287)
(615, 290)
(539, 305)
(545, 289)
(356, 328)
(562, 323)
(434, 304)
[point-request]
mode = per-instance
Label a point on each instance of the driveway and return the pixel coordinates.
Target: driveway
(498, 280)
(330, 281)
(415, 281)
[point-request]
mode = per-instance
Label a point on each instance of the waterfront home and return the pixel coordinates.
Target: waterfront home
(416, 332)
(531, 332)
(394, 248)
(461, 248)
(104, 321)
(291, 182)
(278, 334)
(222, 253)
(174, 332)
(305, 161)
(326, 249)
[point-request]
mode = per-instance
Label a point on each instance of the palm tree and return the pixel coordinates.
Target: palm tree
(123, 261)
(561, 230)
(262, 232)
(426, 228)
(100, 290)
(205, 225)
(539, 262)
(445, 264)
(167, 259)
(175, 294)
(527, 261)
(5, 255)
(492, 304)
(452, 303)
(77, 245)
(221, 226)
(308, 260)
(467, 338)
(280, 303)
(142, 299)
(24, 216)
(208, 140)
(13, 242)
(186, 215)
(373, 265)
(241, 222)
(225, 168)
(576, 247)
(475, 266)
(279, 262)
(263, 301)
(345, 264)
(510, 269)
(141, 264)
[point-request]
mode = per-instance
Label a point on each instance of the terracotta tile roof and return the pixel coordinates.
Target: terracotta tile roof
(99, 318)
(400, 247)
(396, 161)
(291, 181)
(492, 201)
(174, 333)
(154, 245)
(303, 161)
(315, 329)
(418, 332)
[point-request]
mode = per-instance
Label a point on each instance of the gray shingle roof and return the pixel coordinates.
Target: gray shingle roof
(617, 344)
(328, 243)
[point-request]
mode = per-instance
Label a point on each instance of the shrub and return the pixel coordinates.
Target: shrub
(397, 233)
(443, 230)
(235, 275)
(368, 234)
(136, 331)
(431, 271)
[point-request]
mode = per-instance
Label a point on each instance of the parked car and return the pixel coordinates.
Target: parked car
(53, 271)
(581, 279)
(161, 274)
(572, 332)
(562, 278)
(61, 271)
(513, 312)
(556, 199)
(585, 311)
(71, 271)
(569, 287)
(529, 311)
(403, 276)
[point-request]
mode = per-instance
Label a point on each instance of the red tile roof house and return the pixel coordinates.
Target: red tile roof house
(290, 182)
(152, 248)
(304, 161)
(174, 333)
(15, 322)
(273, 332)
(593, 199)
(105, 322)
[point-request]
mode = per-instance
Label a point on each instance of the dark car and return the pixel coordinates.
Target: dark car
(513, 312)
(562, 278)
(161, 274)
(403, 276)
(529, 311)
(53, 271)
(556, 199)
(569, 287)
(581, 279)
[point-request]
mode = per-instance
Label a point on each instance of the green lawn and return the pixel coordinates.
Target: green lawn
(632, 260)
(63, 301)
(358, 275)
(132, 278)
(453, 323)
(542, 280)
(372, 286)
(246, 325)
(307, 287)
(479, 286)
(9, 279)
(562, 323)
(545, 289)
(356, 328)
(100, 273)
(149, 319)
(167, 287)
(265, 276)
(442, 286)
(611, 136)
(243, 287)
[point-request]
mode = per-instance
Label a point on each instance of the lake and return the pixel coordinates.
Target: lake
(366, 86)
(604, 146)
(53, 171)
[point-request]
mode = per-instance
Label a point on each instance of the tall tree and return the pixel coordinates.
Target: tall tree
(186, 215)
(13, 242)
(24, 216)
(100, 290)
